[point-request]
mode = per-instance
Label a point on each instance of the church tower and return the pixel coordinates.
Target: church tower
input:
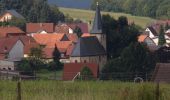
(97, 27)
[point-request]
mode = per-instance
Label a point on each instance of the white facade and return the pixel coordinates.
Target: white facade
(17, 52)
(6, 65)
(151, 35)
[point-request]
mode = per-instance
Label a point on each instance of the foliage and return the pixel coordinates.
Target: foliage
(151, 8)
(86, 73)
(24, 65)
(55, 64)
(134, 58)
(56, 54)
(161, 40)
(78, 31)
(34, 10)
(35, 58)
(119, 34)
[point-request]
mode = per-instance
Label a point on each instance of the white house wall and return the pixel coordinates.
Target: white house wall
(17, 52)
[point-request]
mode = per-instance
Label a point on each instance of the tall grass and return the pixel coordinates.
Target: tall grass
(84, 90)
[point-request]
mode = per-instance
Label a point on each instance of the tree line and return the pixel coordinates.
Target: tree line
(153, 8)
(125, 53)
(33, 10)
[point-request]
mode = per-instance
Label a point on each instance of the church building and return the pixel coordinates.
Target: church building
(91, 49)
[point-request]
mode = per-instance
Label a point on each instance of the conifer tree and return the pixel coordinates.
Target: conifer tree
(161, 40)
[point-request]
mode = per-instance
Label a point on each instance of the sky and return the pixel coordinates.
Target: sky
(82, 4)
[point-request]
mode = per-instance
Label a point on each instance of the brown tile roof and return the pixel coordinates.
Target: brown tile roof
(71, 69)
(142, 38)
(47, 38)
(162, 73)
(4, 31)
(35, 27)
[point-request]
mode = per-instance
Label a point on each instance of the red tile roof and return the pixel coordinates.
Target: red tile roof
(47, 38)
(142, 38)
(70, 49)
(64, 28)
(86, 34)
(72, 37)
(35, 27)
(48, 53)
(82, 26)
(6, 44)
(11, 30)
(28, 42)
(71, 69)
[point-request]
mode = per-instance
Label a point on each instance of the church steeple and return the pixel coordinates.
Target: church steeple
(97, 24)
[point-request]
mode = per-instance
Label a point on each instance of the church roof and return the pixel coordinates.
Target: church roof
(88, 46)
(97, 24)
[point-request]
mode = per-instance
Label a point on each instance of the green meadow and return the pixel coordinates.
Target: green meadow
(83, 90)
(88, 15)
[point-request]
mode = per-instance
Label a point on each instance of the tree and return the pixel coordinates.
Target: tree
(135, 58)
(78, 31)
(86, 73)
(119, 34)
(56, 54)
(35, 59)
(162, 40)
(55, 64)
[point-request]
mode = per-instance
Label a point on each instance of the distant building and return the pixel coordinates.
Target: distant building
(72, 69)
(11, 31)
(40, 28)
(11, 49)
(89, 50)
(69, 28)
(9, 14)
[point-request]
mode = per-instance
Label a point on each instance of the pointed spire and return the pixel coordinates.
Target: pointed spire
(97, 24)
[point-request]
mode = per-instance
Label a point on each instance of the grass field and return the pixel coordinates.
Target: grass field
(57, 90)
(87, 15)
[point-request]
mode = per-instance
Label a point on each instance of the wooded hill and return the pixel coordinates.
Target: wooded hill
(153, 8)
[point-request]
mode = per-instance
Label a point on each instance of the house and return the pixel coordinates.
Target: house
(11, 31)
(69, 28)
(11, 49)
(29, 43)
(40, 28)
(161, 73)
(151, 32)
(72, 69)
(9, 14)
(63, 42)
(143, 38)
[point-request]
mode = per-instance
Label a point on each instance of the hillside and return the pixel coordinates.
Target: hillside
(88, 15)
